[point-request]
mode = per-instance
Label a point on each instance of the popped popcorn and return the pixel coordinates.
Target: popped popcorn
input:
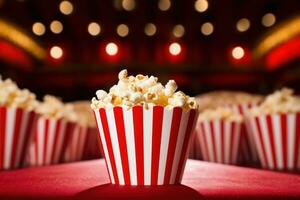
(281, 101)
(220, 113)
(84, 113)
(12, 96)
(142, 90)
(52, 107)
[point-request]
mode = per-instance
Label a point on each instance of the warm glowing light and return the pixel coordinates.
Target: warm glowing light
(56, 52)
(268, 20)
(150, 29)
(56, 27)
(122, 30)
(201, 5)
(164, 5)
(94, 28)
(174, 48)
(38, 28)
(178, 31)
(66, 7)
(128, 5)
(243, 25)
(111, 49)
(238, 52)
(207, 28)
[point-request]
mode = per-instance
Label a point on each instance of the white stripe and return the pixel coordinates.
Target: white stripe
(9, 133)
(227, 142)
(236, 142)
(217, 134)
(180, 139)
(277, 140)
(24, 124)
(148, 122)
(51, 134)
(104, 147)
(266, 141)
(164, 145)
(291, 123)
(209, 140)
(130, 143)
(115, 143)
(40, 140)
(60, 139)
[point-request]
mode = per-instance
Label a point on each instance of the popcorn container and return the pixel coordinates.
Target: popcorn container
(50, 140)
(16, 133)
(277, 138)
(248, 148)
(195, 149)
(76, 144)
(145, 146)
(92, 148)
(220, 140)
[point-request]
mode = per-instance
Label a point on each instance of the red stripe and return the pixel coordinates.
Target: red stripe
(212, 134)
(283, 120)
(185, 145)
(232, 136)
(108, 143)
(29, 133)
(156, 140)
(70, 126)
(119, 120)
(177, 112)
(139, 142)
(297, 141)
(46, 140)
(55, 141)
(36, 150)
(100, 142)
(2, 134)
(222, 134)
(271, 136)
(264, 157)
(16, 136)
(203, 133)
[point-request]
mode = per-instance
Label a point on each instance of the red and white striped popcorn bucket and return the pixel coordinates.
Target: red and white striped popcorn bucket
(195, 149)
(50, 139)
(16, 133)
(76, 144)
(220, 140)
(248, 148)
(145, 146)
(92, 148)
(277, 138)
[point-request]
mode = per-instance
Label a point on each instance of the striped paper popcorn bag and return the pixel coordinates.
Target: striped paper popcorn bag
(16, 131)
(50, 140)
(92, 146)
(220, 140)
(277, 138)
(195, 149)
(248, 149)
(145, 146)
(76, 144)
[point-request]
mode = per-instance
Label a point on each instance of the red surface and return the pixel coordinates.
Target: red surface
(202, 180)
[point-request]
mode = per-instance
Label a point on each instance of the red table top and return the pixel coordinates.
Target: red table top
(202, 180)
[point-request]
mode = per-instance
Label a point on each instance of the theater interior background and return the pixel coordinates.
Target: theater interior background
(72, 48)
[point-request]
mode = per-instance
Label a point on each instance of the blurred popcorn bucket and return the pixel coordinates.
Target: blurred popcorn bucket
(195, 149)
(76, 144)
(220, 140)
(50, 140)
(145, 146)
(16, 133)
(92, 148)
(277, 138)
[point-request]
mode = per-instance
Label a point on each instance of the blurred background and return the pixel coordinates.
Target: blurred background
(72, 48)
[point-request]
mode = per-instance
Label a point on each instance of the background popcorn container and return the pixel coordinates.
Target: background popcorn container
(220, 140)
(249, 154)
(50, 140)
(76, 144)
(16, 133)
(145, 147)
(277, 138)
(92, 148)
(195, 149)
